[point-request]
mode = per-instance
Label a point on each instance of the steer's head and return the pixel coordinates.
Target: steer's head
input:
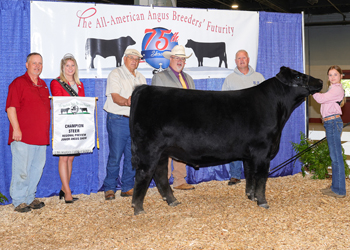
(294, 78)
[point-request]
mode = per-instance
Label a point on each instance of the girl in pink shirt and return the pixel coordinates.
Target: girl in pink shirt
(331, 111)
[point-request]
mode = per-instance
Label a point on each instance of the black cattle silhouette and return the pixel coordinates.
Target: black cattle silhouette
(209, 50)
(64, 111)
(106, 48)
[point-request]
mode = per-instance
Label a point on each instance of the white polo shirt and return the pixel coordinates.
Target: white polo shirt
(122, 82)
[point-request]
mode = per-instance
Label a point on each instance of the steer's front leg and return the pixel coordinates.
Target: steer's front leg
(261, 179)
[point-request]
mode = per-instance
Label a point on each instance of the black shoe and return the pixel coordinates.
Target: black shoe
(61, 195)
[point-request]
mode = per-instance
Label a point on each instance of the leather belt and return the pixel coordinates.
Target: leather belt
(331, 117)
(125, 116)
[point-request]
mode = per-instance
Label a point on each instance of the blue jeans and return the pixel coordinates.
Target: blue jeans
(28, 162)
(236, 169)
(119, 142)
(333, 133)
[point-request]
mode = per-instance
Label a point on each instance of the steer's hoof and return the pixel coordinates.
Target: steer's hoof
(174, 203)
(251, 197)
(265, 205)
(139, 212)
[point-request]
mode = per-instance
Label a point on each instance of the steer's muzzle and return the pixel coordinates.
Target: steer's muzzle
(315, 85)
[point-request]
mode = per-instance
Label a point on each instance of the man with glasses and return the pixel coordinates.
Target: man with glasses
(174, 77)
(120, 84)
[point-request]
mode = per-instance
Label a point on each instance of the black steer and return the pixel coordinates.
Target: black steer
(106, 48)
(206, 128)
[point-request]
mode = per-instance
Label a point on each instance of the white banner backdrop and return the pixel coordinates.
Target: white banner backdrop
(73, 125)
(59, 28)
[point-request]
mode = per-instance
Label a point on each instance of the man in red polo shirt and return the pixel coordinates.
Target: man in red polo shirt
(28, 109)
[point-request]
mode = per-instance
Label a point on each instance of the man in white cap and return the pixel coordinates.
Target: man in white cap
(120, 84)
(242, 77)
(174, 77)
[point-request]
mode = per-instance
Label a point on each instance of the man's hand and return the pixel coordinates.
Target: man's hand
(129, 101)
(121, 101)
(12, 115)
(17, 134)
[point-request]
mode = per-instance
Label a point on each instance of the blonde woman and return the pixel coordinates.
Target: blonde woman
(67, 84)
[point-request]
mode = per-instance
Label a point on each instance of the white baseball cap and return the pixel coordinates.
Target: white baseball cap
(133, 52)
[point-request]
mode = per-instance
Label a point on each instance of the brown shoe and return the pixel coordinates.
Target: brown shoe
(128, 193)
(36, 204)
(329, 192)
(109, 195)
(233, 181)
(22, 208)
(327, 188)
(185, 187)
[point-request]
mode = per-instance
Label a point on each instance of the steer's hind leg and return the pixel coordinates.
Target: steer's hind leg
(142, 181)
(249, 170)
(162, 182)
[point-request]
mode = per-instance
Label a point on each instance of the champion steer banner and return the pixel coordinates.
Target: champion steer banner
(98, 35)
(73, 125)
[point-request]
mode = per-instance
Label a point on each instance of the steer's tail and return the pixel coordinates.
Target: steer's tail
(225, 59)
(136, 94)
(87, 47)
(134, 158)
(134, 100)
(135, 132)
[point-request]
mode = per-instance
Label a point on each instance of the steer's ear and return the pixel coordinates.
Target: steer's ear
(283, 68)
(284, 75)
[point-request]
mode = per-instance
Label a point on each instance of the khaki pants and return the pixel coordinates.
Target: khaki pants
(179, 172)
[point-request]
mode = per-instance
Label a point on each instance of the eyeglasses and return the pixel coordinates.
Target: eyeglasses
(178, 58)
(136, 59)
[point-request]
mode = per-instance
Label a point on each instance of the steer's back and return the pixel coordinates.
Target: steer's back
(157, 106)
(191, 122)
